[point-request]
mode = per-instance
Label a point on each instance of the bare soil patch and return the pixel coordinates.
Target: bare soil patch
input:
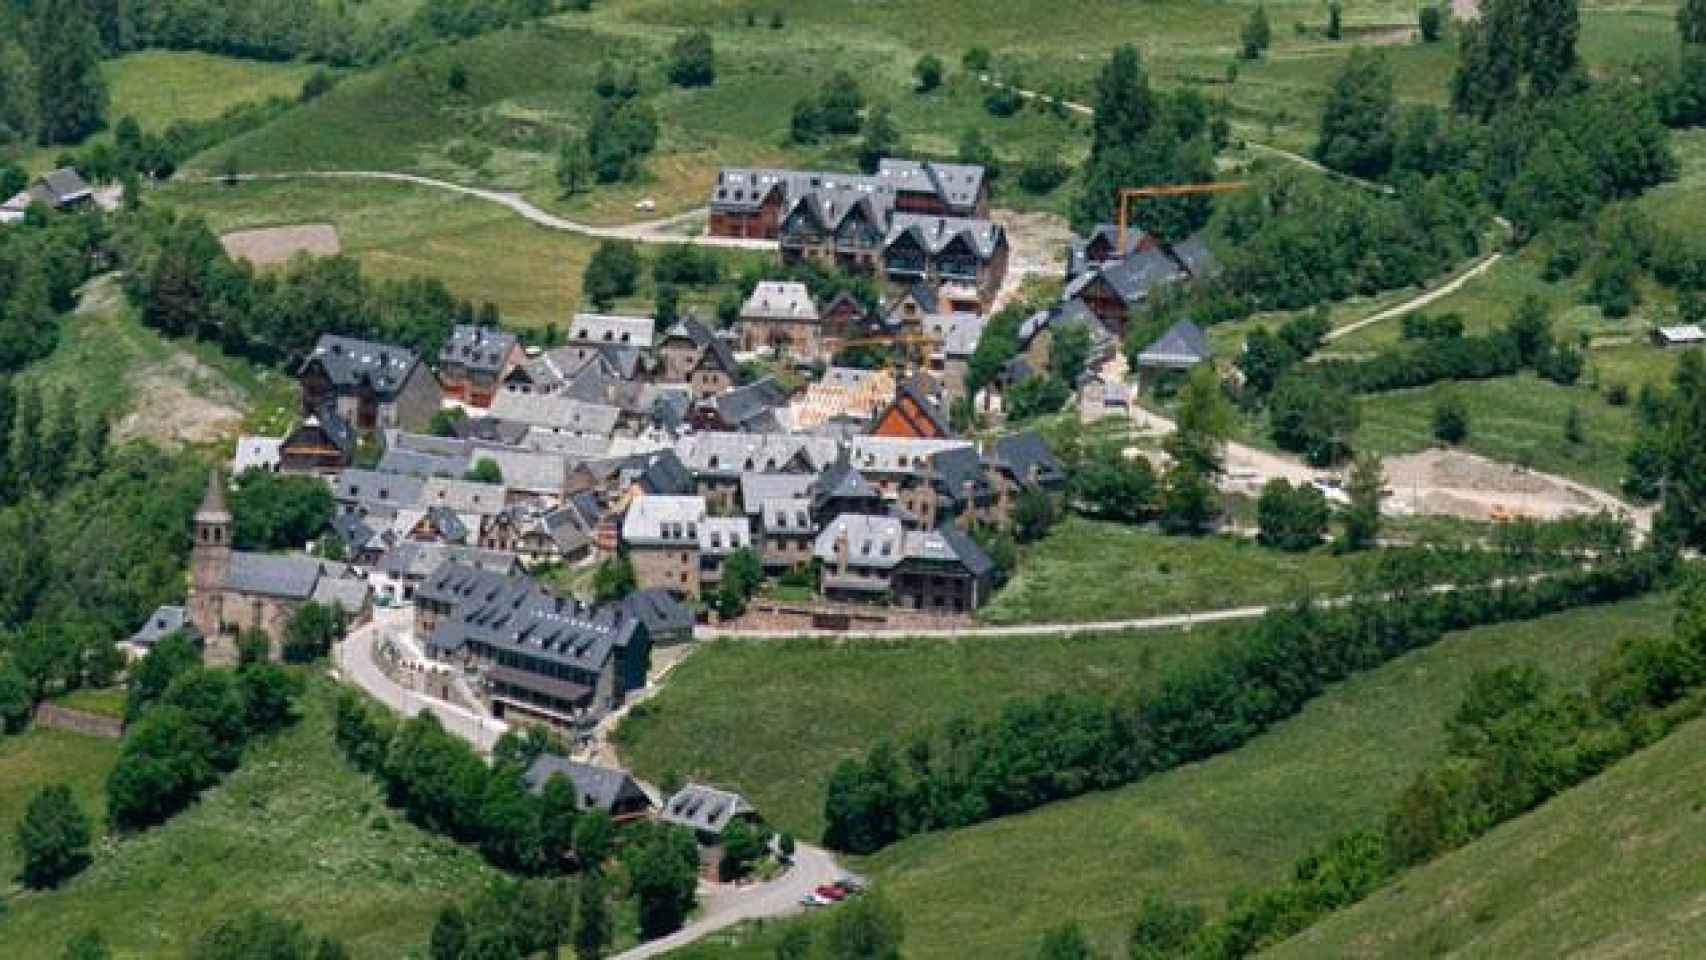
(1037, 242)
(1460, 484)
(182, 401)
(271, 246)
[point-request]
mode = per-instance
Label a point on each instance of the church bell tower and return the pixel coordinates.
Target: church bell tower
(210, 559)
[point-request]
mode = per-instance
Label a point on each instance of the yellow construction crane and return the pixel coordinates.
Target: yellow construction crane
(1128, 194)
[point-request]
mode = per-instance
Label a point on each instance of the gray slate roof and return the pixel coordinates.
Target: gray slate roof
(935, 233)
(265, 574)
(704, 809)
(477, 348)
(596, 788)
(664, 521)
(1020, 452)
(516, 614)
(163, 622)
(1183, 345)
(353, 486)
(661, 613)
(349, 362)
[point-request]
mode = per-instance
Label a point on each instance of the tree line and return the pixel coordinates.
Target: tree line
(1036, 751)
(42, 263)
(185, 284)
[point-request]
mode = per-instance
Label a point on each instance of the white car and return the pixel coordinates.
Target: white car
(646, 206)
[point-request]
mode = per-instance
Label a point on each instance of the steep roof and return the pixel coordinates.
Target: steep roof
(65, 185)
(704, 809)
(661, 613)
(780, 300)
(1022, 453)
(1183, 345)
(612, 329)
(934, 234)
(163, 622)
(213, 509)
(518, 615)
(948, 544)
(477, 348)
(349, 362)
(872, 541)
(596, 788)
(956, 184)
(265, 574)
(556, 411)
(744, 407)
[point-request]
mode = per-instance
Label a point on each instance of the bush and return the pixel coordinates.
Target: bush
(1291, 518)
(15, 702)
(318, 84)
(613, 272)
(1002, 101)
(976, 60)
(692, 60)
(839, 104)
(53, 837)
(1429, 20)
(928, 72)
(1451, 420)
(1043, 172)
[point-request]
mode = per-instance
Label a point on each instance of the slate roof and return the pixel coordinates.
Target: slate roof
(756, 488)
(1196, 258)
(420, 464)
(786, 515)
(934, 234)
(1133, 277)
(743, 189)
(163, 622)
(448, 524)
(949, 544)
(478, 348)
(712, 347)
(355, 531)
(349, 362)
(959, 470)
(724, 454)
(556, 411)
(958, 333)
(596, 788)
(898, 454)
(517, 615)
(780, 300)
(664, 521)
(704, 809)
(1020, 452)
(412, 560)
(659, 611)
(1077, 250)
(721, 536)
(612, 329)
(265, 574)
(59, 187)
(1183, 345)
(462, 496)
(349, 594)
(872, 541)
(525, 470)
(660, 474)
(351, 486)
(509, 433)
(841, 481)
(956, 184)
(750, 408)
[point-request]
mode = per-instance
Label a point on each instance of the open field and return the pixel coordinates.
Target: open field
(104, 701)
(271, 246)
(294, 831)
(1620, 861)
(1200, 832)
(482, 252)
(37, 758)
(1087, 570)
(772, 718)
(1515, 419)
(160, 86)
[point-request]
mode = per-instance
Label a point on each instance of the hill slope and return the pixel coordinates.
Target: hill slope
(1614, 867)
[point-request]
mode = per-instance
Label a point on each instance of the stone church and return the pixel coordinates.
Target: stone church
(235, 590)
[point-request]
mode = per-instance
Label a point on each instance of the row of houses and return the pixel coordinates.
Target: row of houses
(911, 222)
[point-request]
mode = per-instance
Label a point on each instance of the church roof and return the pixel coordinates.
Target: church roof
(213, 508)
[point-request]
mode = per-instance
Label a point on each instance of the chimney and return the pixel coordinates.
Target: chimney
(843, 550)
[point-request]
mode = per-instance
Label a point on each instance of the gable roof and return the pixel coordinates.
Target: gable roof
(1021, 453)
(956, 184)
(949, 544)
(750, 407)
(478, 348)
(556, 411)
(1183, 345)
(164, 621)
(596, 788)
(349, 362)
(664, 521)
(780, 300)
(872, 541)
(704, 809)
(612, 328)
(64, 185)
(661, 613)
(1194, 255)
(934, 234)
(265, 574)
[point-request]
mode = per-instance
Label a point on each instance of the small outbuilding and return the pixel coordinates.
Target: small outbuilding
(1684, 335)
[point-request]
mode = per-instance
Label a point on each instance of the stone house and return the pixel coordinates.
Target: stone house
(606, 789)
(719, 539)
(782, 316)
(372, 386)
(322, 443)
(474, 362)
(841, 229)
(911, 415)
(966, 259)
(660, 536)
(690, 353)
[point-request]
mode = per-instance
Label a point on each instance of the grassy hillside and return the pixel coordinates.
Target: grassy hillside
(40, 757)
(1199, 832)
(1087, 570)
(772, 718)
(295, 831)
(1614, 867)
(159, 86)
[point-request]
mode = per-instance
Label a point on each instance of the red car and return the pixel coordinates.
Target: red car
(830, 891)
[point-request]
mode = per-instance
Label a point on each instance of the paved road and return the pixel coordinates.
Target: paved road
(1168, 622)
(648, 231)
(726, 906)
(355, 660)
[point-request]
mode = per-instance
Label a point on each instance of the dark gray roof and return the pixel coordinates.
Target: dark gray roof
(660, 473)
(755, 488)
(420, 464)
(264, 574)
(661, 613)
(934, 234)
(353, 486)
(747, 406)
(958, 470)
(517, 615)
(705, 809)
(596, 788)
(961, 547)
(477, 348)
(352, 528)
(1183, 345)
(449, 526)
(163, 622)
(349, 362)
(1020, 452)
(1139, 273)
(490, 430)
(841, 481)
(1196, 258)
(414, 560)
(65, 185)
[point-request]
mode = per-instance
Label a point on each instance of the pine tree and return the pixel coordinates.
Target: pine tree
(26, 441)
(592, 920)
(1357, 121)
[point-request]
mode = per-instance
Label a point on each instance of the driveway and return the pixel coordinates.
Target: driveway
(355, 659)
(725, 905)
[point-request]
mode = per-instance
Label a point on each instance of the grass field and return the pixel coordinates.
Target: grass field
(104, 701)
(39, 757)
(1203, 831)
(1613, 867)
(1515, 419)
(159, 86)
(480, 250)
(294, 831)
(772, 718)
(1087, 570)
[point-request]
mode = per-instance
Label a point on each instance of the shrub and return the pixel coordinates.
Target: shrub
(692, 60)
(1451, 420)
(928, 72)
(1042, 172)
(1429, 20)
(53, 837)
(976, 60)
(1291, 518)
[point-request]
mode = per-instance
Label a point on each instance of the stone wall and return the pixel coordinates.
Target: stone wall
(79, 721)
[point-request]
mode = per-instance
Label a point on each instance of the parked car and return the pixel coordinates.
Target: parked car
(830, 891)
(812, 900)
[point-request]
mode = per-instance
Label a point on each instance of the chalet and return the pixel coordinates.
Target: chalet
(62, 189)
(1113, 292)
(875, 559)
(668, 621)
(845, 318)
(911, 414)
(1182, 347)
(706, 811)
(534, 655)
(690, 353)
(605, 789)
(1102, 248)
(1037, 332)
(838, 228)
(321, 443)
(474, 362)
(966, 258)
(936, 189)
(372, 386)
(782, 316)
